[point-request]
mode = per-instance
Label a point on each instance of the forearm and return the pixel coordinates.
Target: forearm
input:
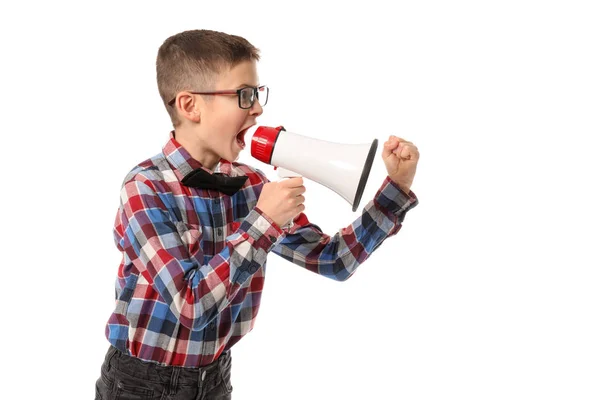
(213, 286)
(170, 256)
(337, 257)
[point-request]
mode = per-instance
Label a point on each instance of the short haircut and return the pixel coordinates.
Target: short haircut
(191, 60)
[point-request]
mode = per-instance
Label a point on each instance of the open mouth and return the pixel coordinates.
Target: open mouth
(240, 138)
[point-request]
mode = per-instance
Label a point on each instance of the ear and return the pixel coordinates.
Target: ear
(188, 106)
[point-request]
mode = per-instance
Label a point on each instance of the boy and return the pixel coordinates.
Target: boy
(195, 228)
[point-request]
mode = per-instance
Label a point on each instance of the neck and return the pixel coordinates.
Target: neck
(197, 148)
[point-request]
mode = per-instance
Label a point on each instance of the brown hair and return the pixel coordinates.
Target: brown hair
(191, 60)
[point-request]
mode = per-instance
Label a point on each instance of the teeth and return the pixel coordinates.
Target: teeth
(248, 132)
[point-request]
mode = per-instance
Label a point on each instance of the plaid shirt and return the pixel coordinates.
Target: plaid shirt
(190, 281)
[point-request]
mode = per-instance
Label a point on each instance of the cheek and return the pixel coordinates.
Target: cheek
(235, 123)
(232, 118)
(241, 117)
(226, 122)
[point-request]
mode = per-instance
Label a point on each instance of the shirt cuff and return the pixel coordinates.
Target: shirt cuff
(262, 229)
(392, 198)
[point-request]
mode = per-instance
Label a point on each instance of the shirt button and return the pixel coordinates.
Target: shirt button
(212, 325)
(253, 268)
(273, 239)
(219, 231)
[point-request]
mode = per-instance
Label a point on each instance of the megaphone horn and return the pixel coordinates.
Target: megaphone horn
(343, 168)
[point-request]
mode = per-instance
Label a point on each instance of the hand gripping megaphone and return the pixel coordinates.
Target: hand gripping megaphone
(343, 168)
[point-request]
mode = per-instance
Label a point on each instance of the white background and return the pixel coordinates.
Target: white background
(489, 291)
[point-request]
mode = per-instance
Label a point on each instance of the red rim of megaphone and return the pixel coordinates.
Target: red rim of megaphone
(263, 142)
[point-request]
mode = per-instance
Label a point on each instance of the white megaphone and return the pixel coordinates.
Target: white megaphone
(343, 168)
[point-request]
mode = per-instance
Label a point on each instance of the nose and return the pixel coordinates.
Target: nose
(256, 109)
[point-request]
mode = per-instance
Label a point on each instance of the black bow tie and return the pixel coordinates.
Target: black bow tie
(199, 178)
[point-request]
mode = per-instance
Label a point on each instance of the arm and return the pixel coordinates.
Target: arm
(195, 292)
(338, 256)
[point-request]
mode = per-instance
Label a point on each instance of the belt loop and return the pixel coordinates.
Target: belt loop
(174, 379)
(112, 351)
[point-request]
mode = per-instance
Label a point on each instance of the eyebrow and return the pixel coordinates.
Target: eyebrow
(243, 85)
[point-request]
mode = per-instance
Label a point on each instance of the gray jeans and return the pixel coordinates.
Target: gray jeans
(123, 377)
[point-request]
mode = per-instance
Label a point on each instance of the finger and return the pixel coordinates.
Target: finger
(387, 150)
(398, 149)
(401, 140)
(298, 210)
(389, 147)
(294, 201)
(397, 144)
(408, 152)
(298, 191)
(292, 182)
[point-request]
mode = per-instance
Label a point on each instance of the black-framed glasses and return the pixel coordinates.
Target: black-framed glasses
(246, 96)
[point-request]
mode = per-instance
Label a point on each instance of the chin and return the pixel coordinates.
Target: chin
(237, 156)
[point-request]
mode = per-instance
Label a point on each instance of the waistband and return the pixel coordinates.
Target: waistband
(165, 374)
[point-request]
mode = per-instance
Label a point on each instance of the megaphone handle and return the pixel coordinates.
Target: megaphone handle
(283, 173)
(286, 173)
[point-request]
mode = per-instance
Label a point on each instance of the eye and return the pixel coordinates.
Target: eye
(247, 95)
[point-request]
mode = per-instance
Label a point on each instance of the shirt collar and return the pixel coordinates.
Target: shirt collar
(183, 163)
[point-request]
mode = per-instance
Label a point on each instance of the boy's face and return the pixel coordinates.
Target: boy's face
(223, 124)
